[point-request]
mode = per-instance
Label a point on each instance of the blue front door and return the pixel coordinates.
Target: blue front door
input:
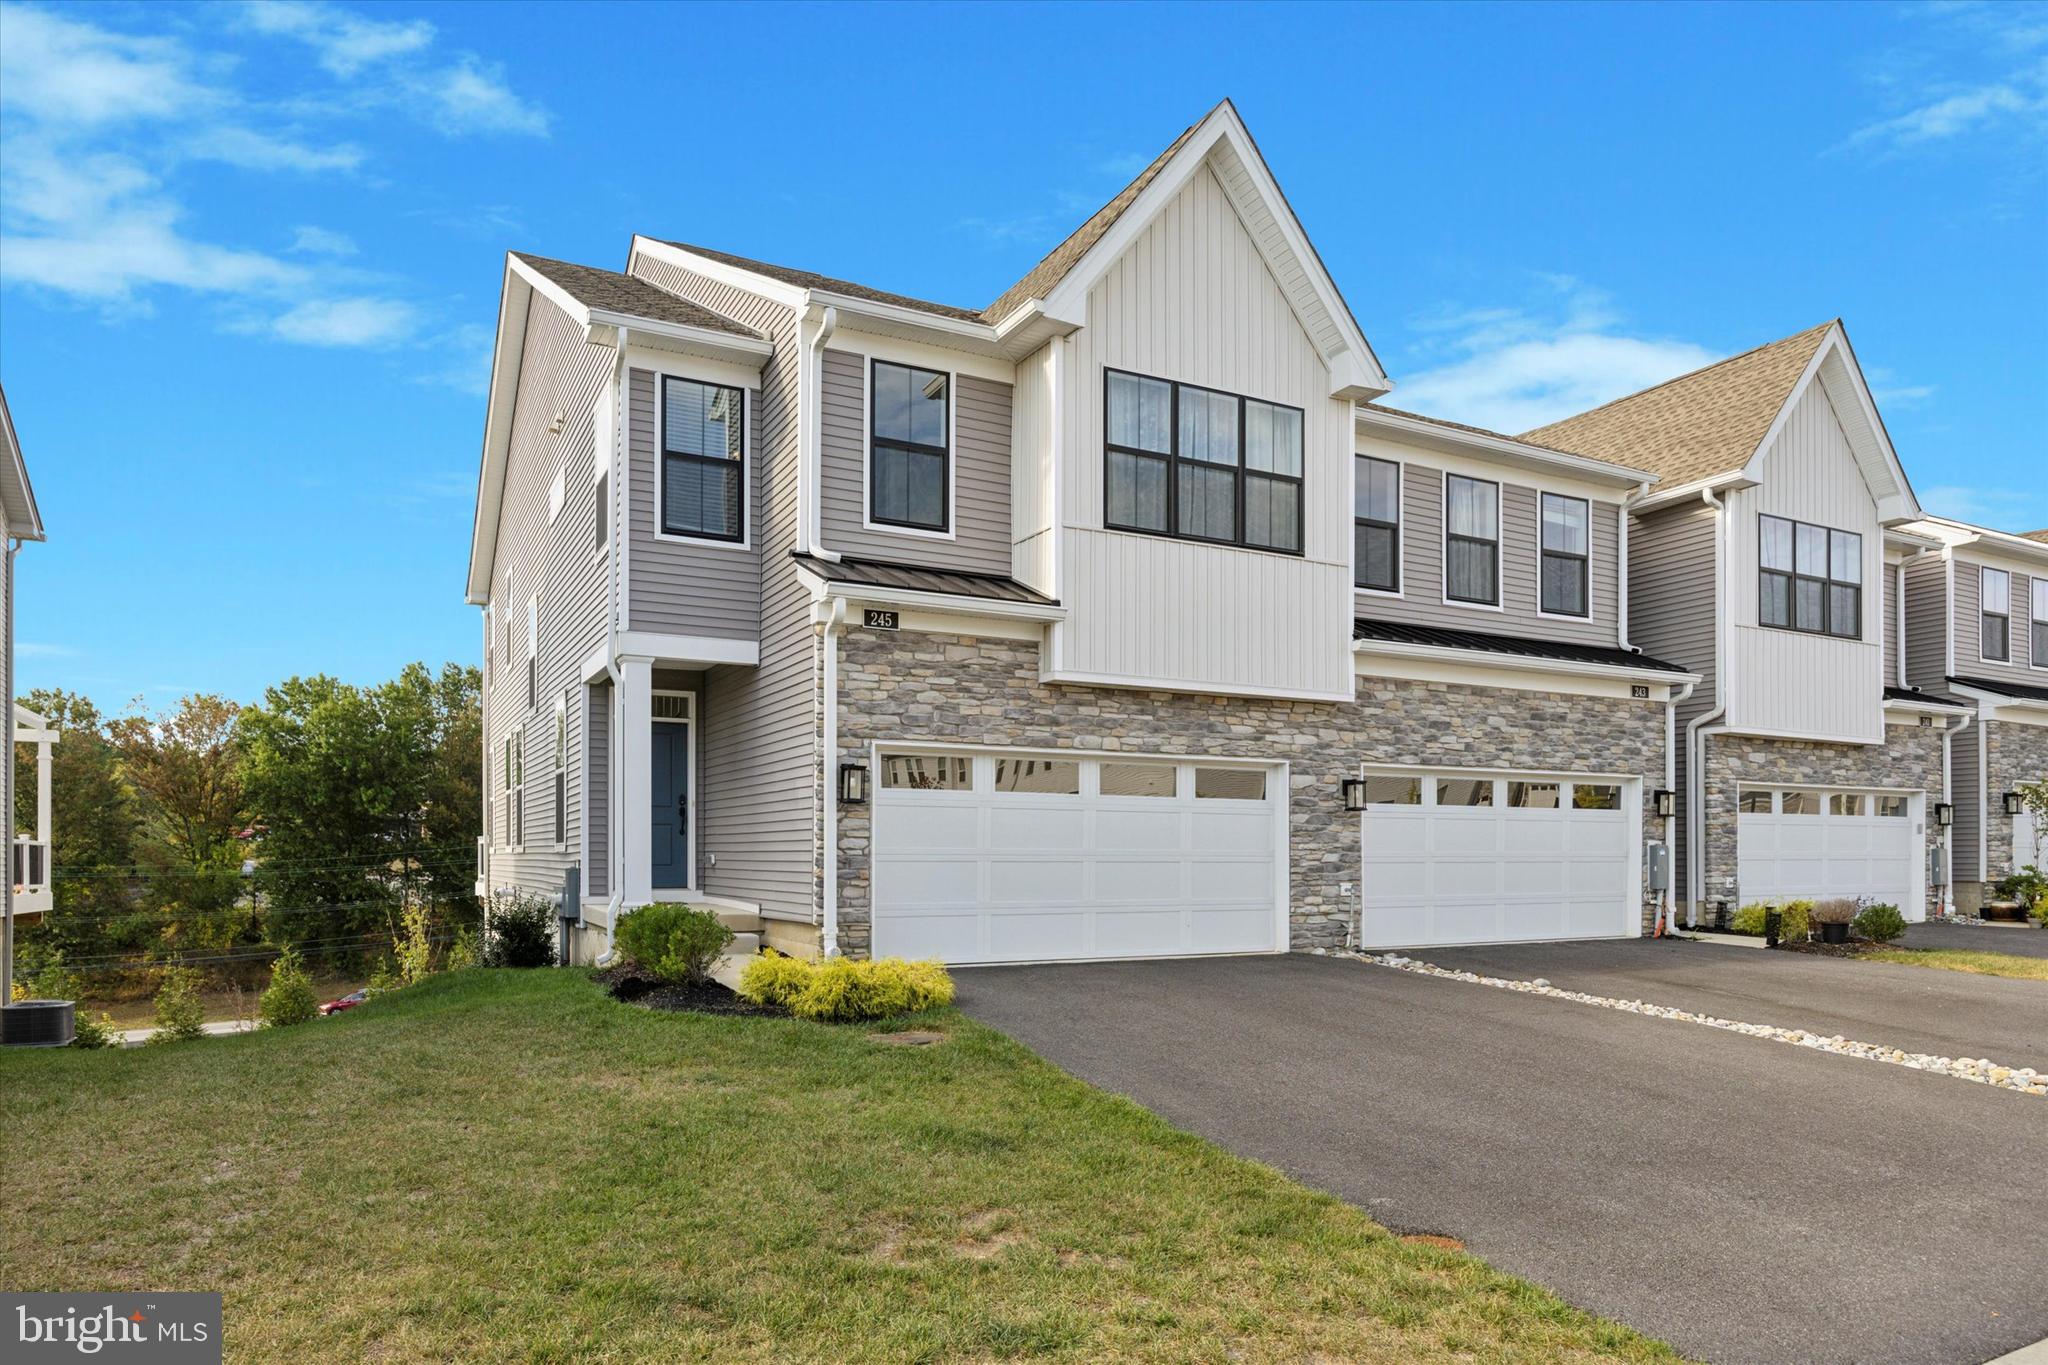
(671, 804)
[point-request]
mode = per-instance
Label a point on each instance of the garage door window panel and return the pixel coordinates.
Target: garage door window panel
(1756, 802)
(1393, 791)
(1138, 779)
(1464, 791)
(1799, 803)
(1039, 776)
(1532, 795)
(1845, 803)
(1230, 784)
(1587, 796)
(927, 772)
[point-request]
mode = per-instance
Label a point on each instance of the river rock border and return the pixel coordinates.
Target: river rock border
(2024, 1079)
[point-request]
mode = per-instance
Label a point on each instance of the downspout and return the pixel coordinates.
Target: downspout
(811, 460)
(7, 882)
(1672, 701)
(828, 786)
(1948, 797)
(1621, 571)
(1695, 729)
(615, 486)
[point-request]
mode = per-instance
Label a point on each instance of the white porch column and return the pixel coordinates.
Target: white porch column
(632, 823)
(43, 795)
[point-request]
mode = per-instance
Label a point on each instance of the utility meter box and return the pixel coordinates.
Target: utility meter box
(1660, 867)
(1937, 866)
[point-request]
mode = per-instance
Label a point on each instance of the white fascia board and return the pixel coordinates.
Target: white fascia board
(1850, 397)
(751, 352)
(825, 590)
(1921, 708)
(1732, 481)
(686, 649)
(1986, 540)
(24, 519)
(1993, 705)
(1567, 668)
(506, 356)
(766, 286)
(1501, 449)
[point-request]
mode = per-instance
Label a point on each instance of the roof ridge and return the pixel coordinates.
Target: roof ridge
(1689, 374)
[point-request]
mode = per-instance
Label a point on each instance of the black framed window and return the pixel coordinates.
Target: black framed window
(703, 459)
(1201, 464)
(1567, 555)
(1376, 524)
(1809, 578)
(1994, 605)
(1471, 540)
(562, 770)
(909, 436)
(2039, 658)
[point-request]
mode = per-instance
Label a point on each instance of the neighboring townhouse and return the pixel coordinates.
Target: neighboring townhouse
(1114, 619)
(1976, 614)
(1767, 559)
(26, 890)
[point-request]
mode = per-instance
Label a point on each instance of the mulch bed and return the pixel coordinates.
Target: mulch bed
(627, 983)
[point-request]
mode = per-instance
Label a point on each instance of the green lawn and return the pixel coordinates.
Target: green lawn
(506, 1165)
(1965, 960)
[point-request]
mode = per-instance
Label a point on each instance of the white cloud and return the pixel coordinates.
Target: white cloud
(254, 151)
(2002, 509)
(1514, 368)
(347, 322)
(472, 97)
(1969, 68)
(466, 360)
(320, 241)
(37, 649)
(344, 43)
(61, 71)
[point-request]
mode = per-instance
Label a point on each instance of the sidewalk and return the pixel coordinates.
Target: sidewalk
(136, 1037)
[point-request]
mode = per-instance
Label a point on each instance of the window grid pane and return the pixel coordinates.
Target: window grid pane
(1200, 464)
(1230, 784)
(927, 772)
(1393, 791)
(1565, 524)
(1137, 779)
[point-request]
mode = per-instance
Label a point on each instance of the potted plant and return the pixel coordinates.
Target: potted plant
(1834, 918)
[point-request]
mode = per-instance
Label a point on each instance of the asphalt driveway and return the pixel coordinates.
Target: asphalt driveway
(2019, 940)
(1743, 1199)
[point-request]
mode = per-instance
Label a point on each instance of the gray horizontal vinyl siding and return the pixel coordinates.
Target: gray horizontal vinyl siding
(676, 587)
(1672, 564)
(1422, 573)
(559, 372)
(1970, 629)
(980, 471)
(1893, 587)
(1966, 779)
(758, 752)
(1927, 624)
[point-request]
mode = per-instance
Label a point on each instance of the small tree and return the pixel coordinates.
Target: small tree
(413, 945)
(179, 1013)
(289, 999)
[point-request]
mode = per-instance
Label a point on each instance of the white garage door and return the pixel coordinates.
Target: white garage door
(1460, 858)
(1022, 857)
(1820, 843)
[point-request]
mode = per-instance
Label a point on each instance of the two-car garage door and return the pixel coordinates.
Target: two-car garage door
(1033, 857)
(1459, 857)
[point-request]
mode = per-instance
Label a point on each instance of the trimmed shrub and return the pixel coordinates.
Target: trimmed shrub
(1879, 923)
(1750, 919)
(673, 942)
(92, 1029)
(289, 998)
(775, 979)
(179, 1013)
(522, 932)
(841, 989)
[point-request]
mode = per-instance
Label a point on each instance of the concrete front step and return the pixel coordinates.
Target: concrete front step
(739, 921)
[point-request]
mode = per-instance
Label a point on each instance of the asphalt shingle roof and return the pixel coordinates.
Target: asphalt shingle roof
(629, 294)
(1698, 425)
(1400, 632)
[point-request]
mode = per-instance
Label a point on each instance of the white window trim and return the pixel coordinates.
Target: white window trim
(2037, 611)
(558, 494)
(1982, 657)
(867, 443)
(1400, 525)
(688, 720)
(516, 743)
(748, 466)
(1499, 604)
(1590, 504)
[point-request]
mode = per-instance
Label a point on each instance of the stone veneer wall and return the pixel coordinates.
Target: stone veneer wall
(968, 690)
(1909, 757)
(2014, 753)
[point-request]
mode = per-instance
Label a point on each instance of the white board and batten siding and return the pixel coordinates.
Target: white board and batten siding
(1031, 478)
(1192, 300)
(1787, 682)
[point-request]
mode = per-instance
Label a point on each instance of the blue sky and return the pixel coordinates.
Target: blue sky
(250, 255)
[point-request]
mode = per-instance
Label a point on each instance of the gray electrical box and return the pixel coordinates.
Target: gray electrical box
(1937, 866)
(570, 903)
(1660, 867)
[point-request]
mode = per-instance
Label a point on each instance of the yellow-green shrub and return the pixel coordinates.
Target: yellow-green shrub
(1795, 914)
(774, 979)
(842, 989)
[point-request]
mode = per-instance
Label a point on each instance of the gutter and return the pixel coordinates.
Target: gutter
(1528, 663)
(1665, 915)
(614, 770)
(7, 882)
(1696, 729)
(828, 787)
(1948, 783)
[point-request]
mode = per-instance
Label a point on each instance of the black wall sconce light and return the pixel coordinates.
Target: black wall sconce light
(2012, 803)
(1665, 802)
(1354, 793)
(1944, 814)
(853, 784)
